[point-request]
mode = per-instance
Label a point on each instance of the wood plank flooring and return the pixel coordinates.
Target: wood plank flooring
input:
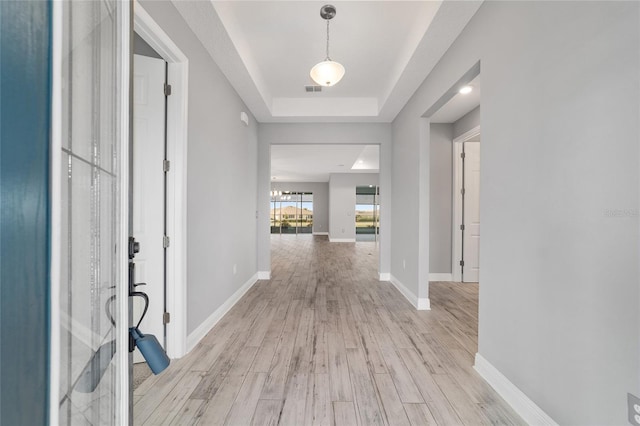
(325, 343)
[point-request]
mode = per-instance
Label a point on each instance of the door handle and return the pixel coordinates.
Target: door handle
(134, 248)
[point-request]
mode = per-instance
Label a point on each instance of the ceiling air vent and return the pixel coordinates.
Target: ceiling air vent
(313, 88)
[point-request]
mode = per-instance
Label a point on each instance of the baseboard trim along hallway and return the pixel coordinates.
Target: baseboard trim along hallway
(196, 335)
(342, 240)
(420, 303)
(264, 275)
(521, 404)
(438, 276)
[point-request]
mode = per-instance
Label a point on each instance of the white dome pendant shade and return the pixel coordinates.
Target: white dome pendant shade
(327, 73)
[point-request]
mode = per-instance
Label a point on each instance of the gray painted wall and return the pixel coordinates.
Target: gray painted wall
(320, 192)
(141, 47)
(342, 202)
(323, 133)
(466, 122)
(440, 207)
(559, 299)
(222, 159)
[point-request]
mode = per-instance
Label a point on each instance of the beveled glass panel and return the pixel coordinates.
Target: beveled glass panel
(90, 373)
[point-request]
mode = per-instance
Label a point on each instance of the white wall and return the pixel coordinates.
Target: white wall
(323, 133)
(440, 207)
(559, 299)
(222, 178)
(342, 203)
(320, 192)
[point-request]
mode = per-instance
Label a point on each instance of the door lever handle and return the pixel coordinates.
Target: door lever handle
(136, 285)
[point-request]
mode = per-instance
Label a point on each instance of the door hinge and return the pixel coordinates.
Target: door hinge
(166, 165)
(462, 191)
(462, 155)
(166, 318)
(462, 263)
(166, 242)
(462, 227)
(167, 89)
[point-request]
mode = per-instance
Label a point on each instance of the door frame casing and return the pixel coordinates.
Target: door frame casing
(456, 220)
(176, 201)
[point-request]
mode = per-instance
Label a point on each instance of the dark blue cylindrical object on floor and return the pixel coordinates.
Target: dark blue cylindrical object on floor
(151, 350)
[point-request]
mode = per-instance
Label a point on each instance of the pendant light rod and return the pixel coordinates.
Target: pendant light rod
(328, 12)
(328, 59)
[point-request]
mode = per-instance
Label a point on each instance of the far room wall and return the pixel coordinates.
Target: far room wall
(440, 212)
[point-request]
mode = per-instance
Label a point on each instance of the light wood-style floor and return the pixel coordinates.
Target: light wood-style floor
(325, 343)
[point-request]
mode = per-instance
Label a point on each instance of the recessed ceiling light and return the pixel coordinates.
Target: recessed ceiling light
(465, 90)
(370, 186)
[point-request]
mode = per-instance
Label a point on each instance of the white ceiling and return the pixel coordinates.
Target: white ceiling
(315, 163)
(459, 105)
(266, 49)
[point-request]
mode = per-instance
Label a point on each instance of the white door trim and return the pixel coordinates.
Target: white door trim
(122, 292)
(456, 233)
(55, 168)
(178, 72)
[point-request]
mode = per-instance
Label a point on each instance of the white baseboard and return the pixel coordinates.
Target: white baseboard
(421, 304)
(320, 233)
(424, 304)
(385, 276)
(264, 275)
(198, 334)
(342, 240)
(438, 276)
(521, 404)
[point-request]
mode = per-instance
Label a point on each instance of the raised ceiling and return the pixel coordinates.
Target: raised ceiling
(266, 49)
(316, 163)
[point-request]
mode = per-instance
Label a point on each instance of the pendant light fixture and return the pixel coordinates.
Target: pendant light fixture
(327, 72)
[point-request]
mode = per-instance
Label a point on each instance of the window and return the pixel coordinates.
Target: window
(291, 212)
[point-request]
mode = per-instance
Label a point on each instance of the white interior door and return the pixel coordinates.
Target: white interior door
(471, 239)
(148, 191)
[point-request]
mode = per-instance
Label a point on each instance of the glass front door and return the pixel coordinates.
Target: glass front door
(91, 371)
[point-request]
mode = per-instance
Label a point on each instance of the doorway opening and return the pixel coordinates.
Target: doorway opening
(174, 233)
(454, 182)
(466, 212)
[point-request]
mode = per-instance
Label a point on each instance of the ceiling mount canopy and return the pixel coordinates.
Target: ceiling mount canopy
(327, 72)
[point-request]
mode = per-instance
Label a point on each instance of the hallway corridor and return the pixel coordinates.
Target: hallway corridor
(324, 342)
